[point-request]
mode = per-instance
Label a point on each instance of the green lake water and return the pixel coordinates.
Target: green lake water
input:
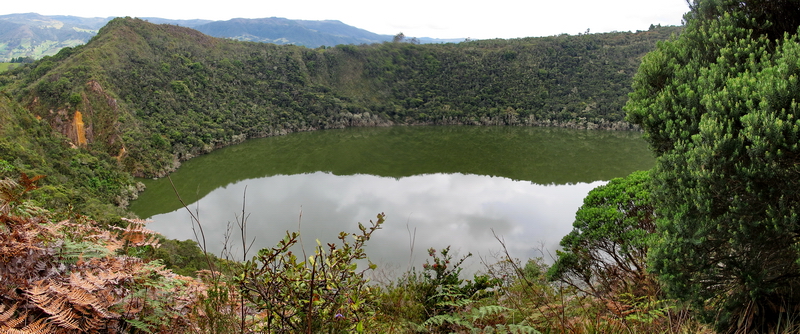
(438, 186)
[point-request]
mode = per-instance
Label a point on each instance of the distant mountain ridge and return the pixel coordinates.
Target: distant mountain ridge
(34, 35)
(284, 31)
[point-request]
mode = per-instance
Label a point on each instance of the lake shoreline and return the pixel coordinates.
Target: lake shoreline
(179, 158)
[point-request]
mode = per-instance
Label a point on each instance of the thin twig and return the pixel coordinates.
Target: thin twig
(195, 219)
(300, 237)
(243, 232)
(412, 238)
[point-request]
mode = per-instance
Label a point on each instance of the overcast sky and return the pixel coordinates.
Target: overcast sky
(415, 18)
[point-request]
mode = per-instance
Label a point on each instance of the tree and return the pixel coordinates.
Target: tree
(605, 253)
(719, 106)
(21, 59)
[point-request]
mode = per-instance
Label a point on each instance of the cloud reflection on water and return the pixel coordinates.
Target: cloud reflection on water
(445, 209)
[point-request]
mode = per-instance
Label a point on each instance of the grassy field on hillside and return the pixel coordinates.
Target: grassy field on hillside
(7, 66)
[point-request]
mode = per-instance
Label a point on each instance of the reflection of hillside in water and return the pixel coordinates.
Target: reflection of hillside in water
(444, 209)
(538, 155)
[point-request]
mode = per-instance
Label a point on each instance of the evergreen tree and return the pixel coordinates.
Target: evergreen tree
(719, 105)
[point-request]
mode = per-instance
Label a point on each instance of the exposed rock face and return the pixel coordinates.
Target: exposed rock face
(71, 125)
(80, 132)
(96, 125)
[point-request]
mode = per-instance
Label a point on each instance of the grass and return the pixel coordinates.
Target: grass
(7, 66)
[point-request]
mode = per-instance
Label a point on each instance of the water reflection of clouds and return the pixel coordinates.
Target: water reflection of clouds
(445, 209)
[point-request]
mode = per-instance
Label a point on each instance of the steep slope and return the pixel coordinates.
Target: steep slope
(153, 95)
(90, 182)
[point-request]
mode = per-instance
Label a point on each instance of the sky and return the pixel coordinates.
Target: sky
(414, 18)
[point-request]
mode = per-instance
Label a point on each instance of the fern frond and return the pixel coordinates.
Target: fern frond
(92, 323)
(458, 303)
(487, 310)
(7, 319)
(7, 193)
(7, 184)
(139, 325)
(15, 322)
(523, 329)
(64, 315)
(7, 312)
(29, 183)
(90, 284)
(72, 252)
(37, 327)
(71, 307)
(79, 297)
(56, 306)
(37, 291)
(442, 319)
(138, 235)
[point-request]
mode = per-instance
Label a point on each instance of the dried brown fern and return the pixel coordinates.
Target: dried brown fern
(12, 194)
(7, 318)
(100, 292)
(68, 276)
(137, 235)
(27, 250)
(37, 327)
(88, 232)
(72, 307)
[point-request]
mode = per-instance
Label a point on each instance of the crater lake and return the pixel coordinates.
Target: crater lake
(439, 186)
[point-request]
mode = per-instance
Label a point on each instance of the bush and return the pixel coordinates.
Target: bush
(325, 292)
(719, 107)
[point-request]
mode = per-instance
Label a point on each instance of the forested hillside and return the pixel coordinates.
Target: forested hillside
(153, 95)
(93, 184)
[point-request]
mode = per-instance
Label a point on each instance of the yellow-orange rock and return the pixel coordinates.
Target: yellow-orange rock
(79, 129)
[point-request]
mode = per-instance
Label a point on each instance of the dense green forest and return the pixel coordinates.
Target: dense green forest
(153, 95)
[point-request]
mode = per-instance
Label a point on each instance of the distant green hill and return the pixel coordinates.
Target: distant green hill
(153, 95)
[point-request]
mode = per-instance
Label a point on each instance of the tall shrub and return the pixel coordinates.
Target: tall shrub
(719, 105)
